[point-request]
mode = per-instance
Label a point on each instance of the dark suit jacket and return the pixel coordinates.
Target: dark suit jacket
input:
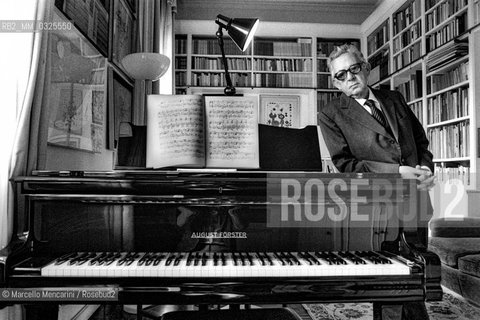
(358, 143)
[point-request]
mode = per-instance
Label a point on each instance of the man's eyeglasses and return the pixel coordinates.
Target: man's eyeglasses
(353, 69)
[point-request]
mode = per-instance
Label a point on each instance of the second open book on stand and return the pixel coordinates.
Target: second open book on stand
(198, 131)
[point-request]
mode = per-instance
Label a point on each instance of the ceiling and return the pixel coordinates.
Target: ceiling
(310, 11)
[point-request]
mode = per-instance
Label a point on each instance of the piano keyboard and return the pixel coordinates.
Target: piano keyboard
(222, 264)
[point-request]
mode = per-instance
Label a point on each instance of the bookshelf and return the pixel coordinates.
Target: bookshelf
(378, 52)
(283, 63)
(432, 57)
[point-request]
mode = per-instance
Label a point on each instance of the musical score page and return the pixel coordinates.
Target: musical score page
(231, 132)
(175, 131)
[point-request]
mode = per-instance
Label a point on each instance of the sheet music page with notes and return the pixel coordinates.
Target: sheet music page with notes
(231, 132)
(175, 131)
(196, 131)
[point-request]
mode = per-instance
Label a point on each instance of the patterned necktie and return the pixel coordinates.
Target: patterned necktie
(376, 113)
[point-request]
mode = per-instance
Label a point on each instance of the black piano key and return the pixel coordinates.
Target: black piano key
(158, 259)
(294, 259)
(315, 261)
(234, 257)
(244, 262)
(196, 261)
(144, 259)
(338, 260)
(204, 259)
(178, 260)
(380, 258)
(286, 258)
(113, 258)
(215, 259)
(324, 256)
(305, 257)
(350, 256)
(78, 258)
(190, 258)
(85, 259)
(270, 262)
(97, 258)
(65, 258)
(249, 258)
(170, 259)
(259, 257)
(278, 256)
(224, 260)
(367, 256)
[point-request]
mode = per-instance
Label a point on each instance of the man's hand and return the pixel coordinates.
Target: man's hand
(424, 176)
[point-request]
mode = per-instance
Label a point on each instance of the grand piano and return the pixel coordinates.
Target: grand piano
(218, 237)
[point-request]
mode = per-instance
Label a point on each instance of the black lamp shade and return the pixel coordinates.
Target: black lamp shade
(240, 30)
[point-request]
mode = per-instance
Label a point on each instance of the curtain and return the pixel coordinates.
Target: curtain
(164, 38)
(19, 123)
(20, 64)
(155, 34)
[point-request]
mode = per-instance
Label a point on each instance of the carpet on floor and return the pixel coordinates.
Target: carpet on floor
(450, 308)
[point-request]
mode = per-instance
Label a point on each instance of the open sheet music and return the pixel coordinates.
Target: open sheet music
(197, 131)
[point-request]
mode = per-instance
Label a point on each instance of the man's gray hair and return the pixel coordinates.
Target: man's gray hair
(343, 49)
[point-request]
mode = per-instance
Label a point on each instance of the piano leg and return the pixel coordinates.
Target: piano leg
(400, 311)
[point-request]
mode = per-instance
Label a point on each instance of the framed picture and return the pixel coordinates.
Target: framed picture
(90, 17)
(123, 39)
(280, 110)
(121, 106)
(76, 91)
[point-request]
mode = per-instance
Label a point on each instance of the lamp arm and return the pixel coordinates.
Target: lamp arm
(230, 89)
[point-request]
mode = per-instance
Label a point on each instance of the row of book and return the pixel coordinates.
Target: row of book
(287, 65)
(378, 38)
(417, 109)
(217, 63)
(448, 105)
(448, 53)
(323, 98)
(180, 63)
(451, 30)
(324, 48)
(218, 79)
(457, 173)
(450, 141)
(301, 48)
(380, 65)
(437, 82)
(405, 17)
(282, 80)
(443, 11)
(407, 56)
(324, 81)
(180, 79)
(429, 4)
(407, 37)
(180, 46)
(412, 88)
(210, 46)
(322, 65)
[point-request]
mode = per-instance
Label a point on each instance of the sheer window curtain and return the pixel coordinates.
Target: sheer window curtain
(19, 65)
(155, 34)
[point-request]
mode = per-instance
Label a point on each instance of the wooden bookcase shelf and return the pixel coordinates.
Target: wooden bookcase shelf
(429, 55)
